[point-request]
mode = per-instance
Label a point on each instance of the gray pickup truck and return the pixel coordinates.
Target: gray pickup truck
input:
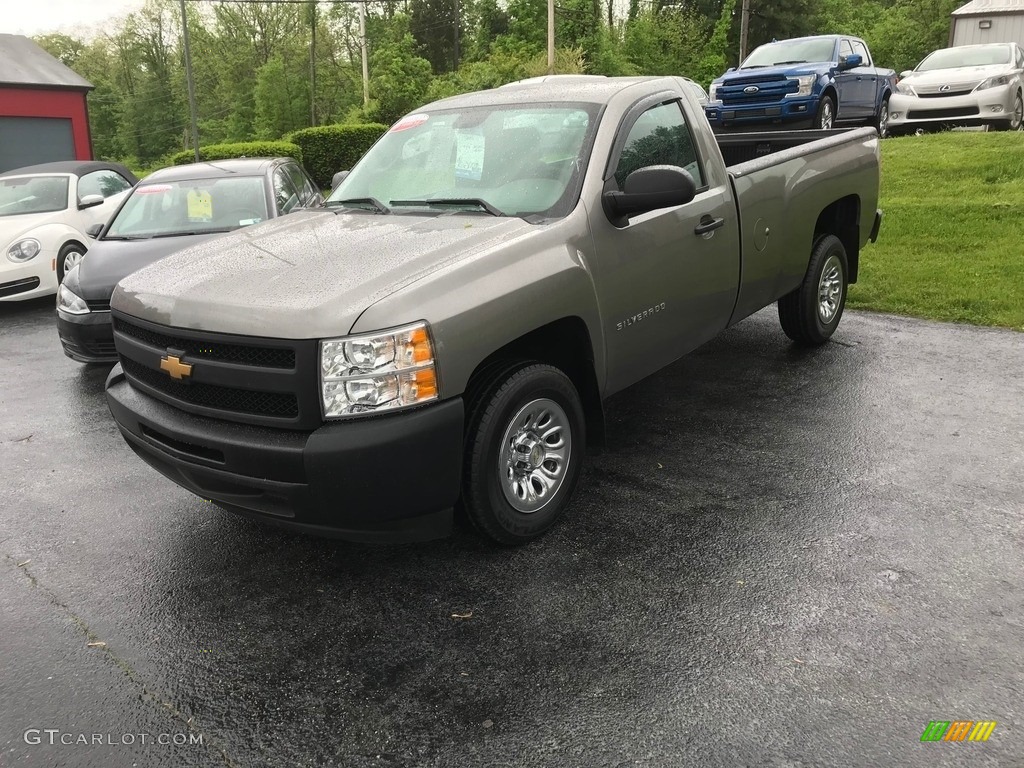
(442, 334)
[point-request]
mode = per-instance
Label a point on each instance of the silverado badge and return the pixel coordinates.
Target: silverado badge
(174, 367)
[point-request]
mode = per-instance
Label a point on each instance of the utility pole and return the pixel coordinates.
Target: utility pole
(312, 64)
(551, 37)
(191, 81)
(362, 48)
(457, 35)
(744, 29)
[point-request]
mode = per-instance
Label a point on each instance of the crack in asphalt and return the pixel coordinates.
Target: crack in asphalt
(148, 694)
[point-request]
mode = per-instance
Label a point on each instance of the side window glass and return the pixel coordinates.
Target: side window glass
(298, 180)
(106, 183)
(861, 50)
(659, 136)
(845, 49)
(285, 193)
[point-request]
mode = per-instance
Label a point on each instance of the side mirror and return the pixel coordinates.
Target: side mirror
(648, 189)
(339, 177)
(90, 201)
(94, 231)
(730, 69)
(851, 61)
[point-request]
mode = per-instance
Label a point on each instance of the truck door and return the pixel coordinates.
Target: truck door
(856, 89)
(867, 79)
(666, 280)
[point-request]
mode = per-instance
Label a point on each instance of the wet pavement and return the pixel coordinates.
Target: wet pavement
(782, 558)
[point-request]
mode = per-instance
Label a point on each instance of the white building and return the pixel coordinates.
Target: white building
(988, 21)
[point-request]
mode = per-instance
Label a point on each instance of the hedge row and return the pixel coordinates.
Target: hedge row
(328, 149)
(241, 149)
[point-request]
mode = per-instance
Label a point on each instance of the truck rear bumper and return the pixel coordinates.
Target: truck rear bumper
(385, 478)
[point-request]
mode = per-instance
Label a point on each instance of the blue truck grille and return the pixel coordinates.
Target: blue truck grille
(769, 89)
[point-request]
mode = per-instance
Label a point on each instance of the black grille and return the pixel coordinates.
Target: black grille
(942, 95)
(99, 347)
(924, 114)
(98, 305)
(241, 354)
(273, 404)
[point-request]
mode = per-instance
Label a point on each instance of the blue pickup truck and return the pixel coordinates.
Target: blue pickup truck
(807, 82)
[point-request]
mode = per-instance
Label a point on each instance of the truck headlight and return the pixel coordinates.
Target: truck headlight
(23, 250)
(379, 372)
(804, 85)
(70, 302)
(993, 82)
(713, 92)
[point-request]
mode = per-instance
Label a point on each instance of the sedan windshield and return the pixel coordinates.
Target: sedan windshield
(791, 52)
(187, 207)
(967, 56)
(33, 194)
(517, 160)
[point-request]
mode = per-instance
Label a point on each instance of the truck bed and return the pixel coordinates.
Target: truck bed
(740, 148)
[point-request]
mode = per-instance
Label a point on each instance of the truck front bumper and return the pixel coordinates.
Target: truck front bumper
(382, 478)
(790, 112)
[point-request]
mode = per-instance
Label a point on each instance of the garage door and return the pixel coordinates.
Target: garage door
(30, 140)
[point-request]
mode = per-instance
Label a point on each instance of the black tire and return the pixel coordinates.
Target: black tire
(1013, 124)
(801, 312)
(488, 478)
(825, 119)
(881, 120)
(62, 256)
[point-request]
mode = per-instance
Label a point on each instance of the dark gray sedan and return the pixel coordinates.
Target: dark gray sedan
(169, 210)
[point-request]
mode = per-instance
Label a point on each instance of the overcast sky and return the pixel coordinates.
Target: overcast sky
(33, 17)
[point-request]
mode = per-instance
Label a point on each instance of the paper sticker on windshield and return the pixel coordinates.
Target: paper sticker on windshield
(410, 121)
(469, 156)
(200, 206)
(153, 189)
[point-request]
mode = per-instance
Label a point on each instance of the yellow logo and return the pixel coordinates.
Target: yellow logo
(175, 368)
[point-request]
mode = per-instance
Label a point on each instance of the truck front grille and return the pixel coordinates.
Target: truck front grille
(268, 382)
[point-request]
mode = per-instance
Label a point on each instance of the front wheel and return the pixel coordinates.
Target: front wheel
(68, 258)
(810, 314)
(826, 116)
(1016, 121)
(524, 446)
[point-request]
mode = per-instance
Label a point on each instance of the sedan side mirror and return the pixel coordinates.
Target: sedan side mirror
(851, 61)
(94, 231)
(339, 177)
(90, 201)
(649, 189)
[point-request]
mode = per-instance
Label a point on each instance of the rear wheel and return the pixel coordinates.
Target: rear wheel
(826, 117)
(68, 258)
(810, 314)
(524, 445)
(881, 121)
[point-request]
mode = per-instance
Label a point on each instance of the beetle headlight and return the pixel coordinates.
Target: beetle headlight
(804, 84)
(993, 82)
(379, 372)
(70, 302)
(23, 250)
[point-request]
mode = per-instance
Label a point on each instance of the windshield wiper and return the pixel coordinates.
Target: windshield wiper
(449, 202)
(794, 61)
(372, 202)
(193, 232)
(127, 237)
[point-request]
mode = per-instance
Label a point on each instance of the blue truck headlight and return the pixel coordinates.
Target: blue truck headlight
(23, 250)
(713, 92)
(804, 84)
(378, 372)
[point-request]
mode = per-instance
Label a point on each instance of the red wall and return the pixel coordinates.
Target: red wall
(29, 102)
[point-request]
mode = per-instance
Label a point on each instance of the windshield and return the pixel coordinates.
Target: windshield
(973, 56)
(196, 206)
(791, 52)
(33, 194)
(517, 160)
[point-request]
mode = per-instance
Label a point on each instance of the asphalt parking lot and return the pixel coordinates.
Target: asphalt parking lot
(782, 558)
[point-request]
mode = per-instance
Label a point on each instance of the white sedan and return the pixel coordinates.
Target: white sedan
(965, 85)
(45, 213)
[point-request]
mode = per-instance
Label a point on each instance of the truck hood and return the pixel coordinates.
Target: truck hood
(306, 275)
(962, 76)
(774, 73)
(108, 261)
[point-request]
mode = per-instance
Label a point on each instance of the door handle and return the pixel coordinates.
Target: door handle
(708, 224)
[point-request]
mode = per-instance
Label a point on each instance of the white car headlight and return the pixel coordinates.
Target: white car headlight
(379, 372)
(23, 250)
(905, 88)
(804, 85)
(70, 302)
(993, 82)
(713, 92)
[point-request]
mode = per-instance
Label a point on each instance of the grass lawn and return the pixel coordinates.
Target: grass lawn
(951, 245)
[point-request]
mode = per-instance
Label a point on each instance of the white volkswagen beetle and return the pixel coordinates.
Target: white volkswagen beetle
(45, 212)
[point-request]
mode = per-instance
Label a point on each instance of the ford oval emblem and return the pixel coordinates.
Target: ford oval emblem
(751, 89)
